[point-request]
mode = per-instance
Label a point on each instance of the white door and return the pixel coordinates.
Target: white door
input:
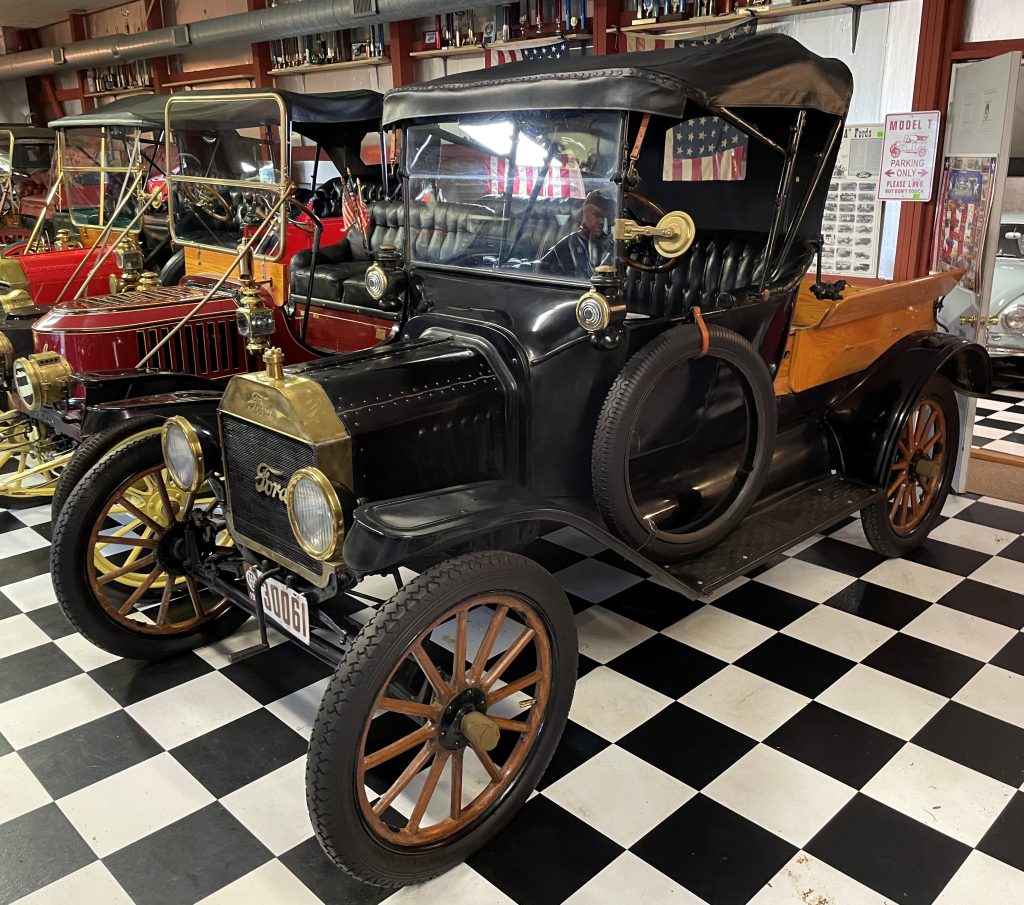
(979, 124)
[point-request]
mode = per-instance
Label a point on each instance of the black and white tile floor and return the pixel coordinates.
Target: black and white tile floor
(999, 419)
(836, 729)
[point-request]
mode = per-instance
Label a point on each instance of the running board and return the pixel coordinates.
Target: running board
(773, 529)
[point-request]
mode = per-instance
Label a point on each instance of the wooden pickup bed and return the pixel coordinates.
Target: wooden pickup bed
(829, 340)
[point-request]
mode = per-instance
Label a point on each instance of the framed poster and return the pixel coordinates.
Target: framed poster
(961, 220)
(852, 221)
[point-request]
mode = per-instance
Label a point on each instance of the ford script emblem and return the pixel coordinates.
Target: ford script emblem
(259, 404)
(267, 483)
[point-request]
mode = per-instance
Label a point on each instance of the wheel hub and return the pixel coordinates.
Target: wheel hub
(170, 549)
(451, 733)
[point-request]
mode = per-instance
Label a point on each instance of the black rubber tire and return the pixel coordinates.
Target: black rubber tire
(875, 518)
(91, 450)
(68, 564)
(173, 271)
(625, 400)
(337, 733)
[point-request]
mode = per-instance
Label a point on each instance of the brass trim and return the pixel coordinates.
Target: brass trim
(284, 136)
(13, 274)
(375, 274)
(6, 362)
(673, 234)
(594, 301)
(333, 504)
(297, 408)
(48, 376)
(195, 447)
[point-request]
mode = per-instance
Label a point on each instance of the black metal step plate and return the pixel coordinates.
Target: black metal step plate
(773, 529)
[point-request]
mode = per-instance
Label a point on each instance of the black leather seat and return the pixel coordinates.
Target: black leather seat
(712, 274)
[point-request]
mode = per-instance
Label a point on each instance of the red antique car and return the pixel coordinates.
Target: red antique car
(26, 172)
(88, 351)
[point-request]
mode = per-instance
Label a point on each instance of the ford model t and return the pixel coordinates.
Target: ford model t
(595, 338)
(230, 183)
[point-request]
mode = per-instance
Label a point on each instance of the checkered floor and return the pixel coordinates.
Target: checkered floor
(837, 729)
(999, 419)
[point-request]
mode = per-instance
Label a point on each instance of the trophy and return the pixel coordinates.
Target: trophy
(647, 12)
(674, 11)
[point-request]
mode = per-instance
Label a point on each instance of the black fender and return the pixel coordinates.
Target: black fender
(426, 527)
(863, 421)
(128, 383)
(198, 406)
(19, 331)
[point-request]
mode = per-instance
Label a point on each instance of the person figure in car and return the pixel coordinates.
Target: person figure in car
(581, 252)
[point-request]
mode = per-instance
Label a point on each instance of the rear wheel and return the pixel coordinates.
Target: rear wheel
(118, 554)
(441, 719)
(173, 271)
(920, 473)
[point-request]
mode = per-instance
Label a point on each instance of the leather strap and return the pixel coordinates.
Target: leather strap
(705, 340)
(634, 155)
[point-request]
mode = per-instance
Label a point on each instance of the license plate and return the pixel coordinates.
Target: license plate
(282, 606)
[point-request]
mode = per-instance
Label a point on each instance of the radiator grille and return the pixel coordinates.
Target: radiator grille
(212, 347)
(256, 516)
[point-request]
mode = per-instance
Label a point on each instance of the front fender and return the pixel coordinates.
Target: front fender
(864, 420)
(198, 406)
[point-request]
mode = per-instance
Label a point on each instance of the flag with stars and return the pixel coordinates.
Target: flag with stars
(703, 150)
(641, 42)
(510, 53)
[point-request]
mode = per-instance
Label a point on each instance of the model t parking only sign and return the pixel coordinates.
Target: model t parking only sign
(908, 156)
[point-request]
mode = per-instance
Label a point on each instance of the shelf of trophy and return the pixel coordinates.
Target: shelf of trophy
(121, 92)
(306, 68)
(741, 15)
(467, 49)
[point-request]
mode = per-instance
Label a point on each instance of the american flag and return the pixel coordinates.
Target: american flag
(545, 50)
(641, 42)
(353, 209)
(704, 149)
(563, 178)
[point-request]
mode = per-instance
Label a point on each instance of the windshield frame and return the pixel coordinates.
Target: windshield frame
(274, 190)
(614, 188)
(131, 136)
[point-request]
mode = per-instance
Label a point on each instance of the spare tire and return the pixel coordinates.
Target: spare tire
(662, 475)
(173, 272)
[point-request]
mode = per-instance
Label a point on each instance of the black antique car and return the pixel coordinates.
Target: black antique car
(602, 266)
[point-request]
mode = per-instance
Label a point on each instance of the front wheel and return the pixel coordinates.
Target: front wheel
(442, 718)
(117, 559)
(920, 472)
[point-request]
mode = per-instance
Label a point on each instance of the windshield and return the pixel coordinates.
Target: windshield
(98, 166)
(229, 168)
(1011, 237)
(524, 193)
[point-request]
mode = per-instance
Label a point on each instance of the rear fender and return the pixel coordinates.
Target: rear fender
(864, 419)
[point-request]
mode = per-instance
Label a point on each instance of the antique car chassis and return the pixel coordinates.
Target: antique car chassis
(735, 409)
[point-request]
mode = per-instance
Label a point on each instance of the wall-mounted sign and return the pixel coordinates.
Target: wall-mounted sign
(853, 214)
(908, 156)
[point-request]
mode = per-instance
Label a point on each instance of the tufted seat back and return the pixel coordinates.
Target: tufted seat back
(711, 274)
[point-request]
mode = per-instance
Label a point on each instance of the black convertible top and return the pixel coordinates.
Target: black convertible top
(143, 111)
(757, 71)
(310, 115)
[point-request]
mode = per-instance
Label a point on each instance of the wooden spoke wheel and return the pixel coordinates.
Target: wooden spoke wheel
(441, 718)
(119, 558)
(138, 549)
(30, 461)
(919, 472)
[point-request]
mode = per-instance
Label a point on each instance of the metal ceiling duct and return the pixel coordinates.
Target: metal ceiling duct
(288, 21)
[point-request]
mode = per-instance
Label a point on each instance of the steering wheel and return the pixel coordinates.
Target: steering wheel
(648, 213)
(208, 200)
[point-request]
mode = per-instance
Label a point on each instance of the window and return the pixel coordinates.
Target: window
(525, 193)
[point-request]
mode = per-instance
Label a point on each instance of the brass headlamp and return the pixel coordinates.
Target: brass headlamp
(130, 259)
(44, 378)
(254, 319)
(17, 299)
